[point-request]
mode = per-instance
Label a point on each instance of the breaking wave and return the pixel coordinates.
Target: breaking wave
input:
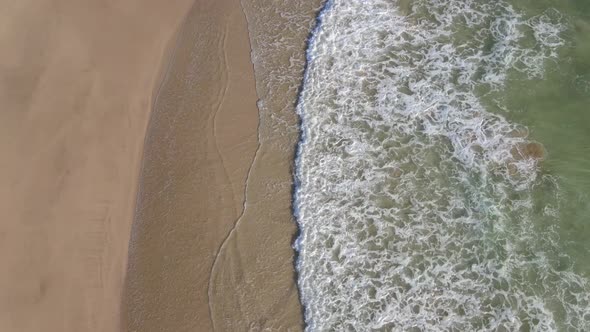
(419, 208)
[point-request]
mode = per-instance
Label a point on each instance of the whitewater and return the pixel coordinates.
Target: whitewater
(423, 204)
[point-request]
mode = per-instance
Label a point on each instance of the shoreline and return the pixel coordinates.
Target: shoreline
(227, 263)
(259, 259)
(300, 140)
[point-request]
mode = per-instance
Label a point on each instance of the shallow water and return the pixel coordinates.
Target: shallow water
(443, 174)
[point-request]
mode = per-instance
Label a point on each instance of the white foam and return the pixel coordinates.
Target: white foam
(414, 211)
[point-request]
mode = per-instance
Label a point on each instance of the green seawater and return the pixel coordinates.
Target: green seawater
(556, 110)
(418, 208)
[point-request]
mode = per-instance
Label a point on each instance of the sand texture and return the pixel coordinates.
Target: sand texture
(211, 243)
(76, 87)
(254, 280)
(200, 144)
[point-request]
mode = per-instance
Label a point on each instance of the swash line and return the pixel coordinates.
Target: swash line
(237, 222)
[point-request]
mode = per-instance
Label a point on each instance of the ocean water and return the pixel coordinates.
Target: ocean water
(443, 172)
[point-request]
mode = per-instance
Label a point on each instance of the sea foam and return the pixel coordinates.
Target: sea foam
(419, 209)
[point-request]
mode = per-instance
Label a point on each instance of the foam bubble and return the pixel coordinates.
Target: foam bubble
(417, 207)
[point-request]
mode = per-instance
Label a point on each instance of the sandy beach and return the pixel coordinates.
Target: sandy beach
(211, 242)
(148, 149)
(147, 156)
(201, 141)
(257, 258)
(76, 88)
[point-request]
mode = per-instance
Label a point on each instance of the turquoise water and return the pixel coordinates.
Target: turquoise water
(443, 173)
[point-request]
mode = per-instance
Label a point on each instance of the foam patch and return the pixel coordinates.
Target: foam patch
(418, 207)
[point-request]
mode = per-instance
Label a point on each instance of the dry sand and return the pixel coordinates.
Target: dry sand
(76, 86)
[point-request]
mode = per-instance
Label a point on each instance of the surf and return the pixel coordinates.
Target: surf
(420, 204)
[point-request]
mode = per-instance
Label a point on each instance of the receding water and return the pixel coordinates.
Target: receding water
(444, 168)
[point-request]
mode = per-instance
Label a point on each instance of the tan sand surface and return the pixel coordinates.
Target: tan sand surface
(254, 282)
(200, 144)
(211, 242)
(76, 86)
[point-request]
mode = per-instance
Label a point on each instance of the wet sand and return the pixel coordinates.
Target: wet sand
(254, 278)
(200, 144)
(211, 242)
(76, 88)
